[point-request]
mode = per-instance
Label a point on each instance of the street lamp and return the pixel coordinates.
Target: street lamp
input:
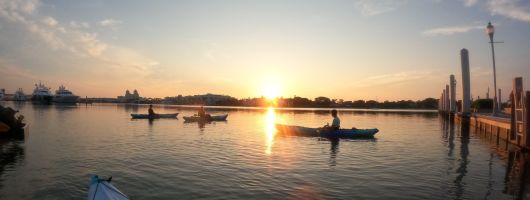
(490, 30)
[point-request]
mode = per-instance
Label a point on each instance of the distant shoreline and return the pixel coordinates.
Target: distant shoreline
(388, 110)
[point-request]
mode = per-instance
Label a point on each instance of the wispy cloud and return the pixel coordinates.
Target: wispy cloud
(110, 22)
(75, 24)
(514, 9)
(377, 7)
(451, 30)
(50, 21)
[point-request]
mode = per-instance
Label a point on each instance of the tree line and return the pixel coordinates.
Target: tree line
(325, 102)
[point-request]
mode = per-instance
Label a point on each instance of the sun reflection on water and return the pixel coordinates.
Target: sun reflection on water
(270, 129)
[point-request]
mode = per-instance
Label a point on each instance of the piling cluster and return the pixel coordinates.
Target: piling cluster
(511, 125)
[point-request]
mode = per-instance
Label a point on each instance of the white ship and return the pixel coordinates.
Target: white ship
(41, 94)
(62, 95)
(19, 95)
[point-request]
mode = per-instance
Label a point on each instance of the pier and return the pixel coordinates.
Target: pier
(507, 130)
(510, 126)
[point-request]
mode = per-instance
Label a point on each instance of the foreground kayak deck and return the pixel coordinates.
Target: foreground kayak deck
(200, 119)
(157, 116)
(317, 132)
(102, 189)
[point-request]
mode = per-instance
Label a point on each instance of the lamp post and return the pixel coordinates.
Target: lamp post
(490, 30)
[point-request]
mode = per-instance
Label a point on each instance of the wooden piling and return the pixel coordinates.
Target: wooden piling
(527, 121)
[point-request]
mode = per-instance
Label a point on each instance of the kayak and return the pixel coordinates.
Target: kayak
(102, 189)
(320, 132)
(196, 118)
(156, 116)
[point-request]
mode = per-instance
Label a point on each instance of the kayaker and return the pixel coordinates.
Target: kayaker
(335, 124)
(151, 111)
(202, 113)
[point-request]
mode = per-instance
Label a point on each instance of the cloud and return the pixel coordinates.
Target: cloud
(50, 21)
(513, 9)
(451, 30)
(104, 56)
(109, 22)
(76, 25)
(377, 7)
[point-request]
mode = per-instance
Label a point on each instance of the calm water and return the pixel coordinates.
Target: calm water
(415, 156)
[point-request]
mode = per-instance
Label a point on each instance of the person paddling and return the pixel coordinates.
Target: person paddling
(202, 114)
(335, 124)
(151, 112)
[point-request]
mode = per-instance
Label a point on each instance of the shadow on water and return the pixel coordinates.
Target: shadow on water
(10, 153)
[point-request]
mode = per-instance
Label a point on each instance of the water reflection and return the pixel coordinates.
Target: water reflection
(333, 151)
(10, 153)
(463, 161)
(517, 176)
(270, 129)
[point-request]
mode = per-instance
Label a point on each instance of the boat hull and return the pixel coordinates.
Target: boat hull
(101, 189)
(65, 99)
(201, 119)
(319, 132)
(156, 116)
(44, 99)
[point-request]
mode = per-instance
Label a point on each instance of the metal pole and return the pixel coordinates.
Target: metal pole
(494, 78)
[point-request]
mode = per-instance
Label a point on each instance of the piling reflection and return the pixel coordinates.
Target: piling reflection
(463, 161)
(517, 175)
(517, 178)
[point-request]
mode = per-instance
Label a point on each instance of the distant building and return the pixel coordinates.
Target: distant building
(130, 98)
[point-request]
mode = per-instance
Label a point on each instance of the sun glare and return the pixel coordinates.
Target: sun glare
(271, 91)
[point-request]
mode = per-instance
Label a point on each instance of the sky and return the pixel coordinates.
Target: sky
(343, 49)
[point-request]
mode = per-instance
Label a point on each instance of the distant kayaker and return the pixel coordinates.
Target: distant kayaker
(151, 111)
(335, 124)
(202, 113)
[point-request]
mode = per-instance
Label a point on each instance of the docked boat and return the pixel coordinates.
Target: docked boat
(196, 118)
(102, 189)
(322, 132)
(155, 116)
(19, 95)
(41, 94)
(62, 95)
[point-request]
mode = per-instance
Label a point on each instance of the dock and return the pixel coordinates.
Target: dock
(506, 131)
(509, 126)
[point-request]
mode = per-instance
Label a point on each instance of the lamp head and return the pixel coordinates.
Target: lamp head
(490, 30)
